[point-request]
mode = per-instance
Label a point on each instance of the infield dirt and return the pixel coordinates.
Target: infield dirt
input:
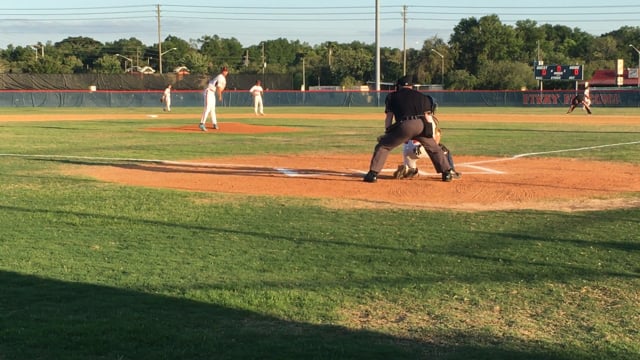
(336, 180)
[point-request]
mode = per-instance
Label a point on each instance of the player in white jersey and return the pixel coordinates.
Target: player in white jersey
(587, 96)
(166, 98)
(214, 90)
(257, 91)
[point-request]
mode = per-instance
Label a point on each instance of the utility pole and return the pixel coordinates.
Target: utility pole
(442, 68)
(378, 47)
(36, 47)
(404, 39)
(304, 76)
(264, 63)
(159, 41)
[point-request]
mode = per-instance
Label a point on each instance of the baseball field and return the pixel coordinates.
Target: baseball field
(128, 233)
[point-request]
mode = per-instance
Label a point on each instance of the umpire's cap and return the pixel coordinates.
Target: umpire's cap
(405, 81)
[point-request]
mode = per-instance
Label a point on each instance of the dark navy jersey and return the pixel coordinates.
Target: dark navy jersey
(406, 103)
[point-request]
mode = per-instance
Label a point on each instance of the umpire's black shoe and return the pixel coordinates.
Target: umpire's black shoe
(450, 175)
(371, 177)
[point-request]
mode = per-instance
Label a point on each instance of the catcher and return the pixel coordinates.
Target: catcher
(412, 151)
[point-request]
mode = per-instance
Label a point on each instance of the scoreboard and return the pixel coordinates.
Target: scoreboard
(558, 72)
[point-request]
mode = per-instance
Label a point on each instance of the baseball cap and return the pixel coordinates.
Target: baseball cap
(405, 81)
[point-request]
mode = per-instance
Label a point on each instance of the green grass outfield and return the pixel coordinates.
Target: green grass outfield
(93, 270)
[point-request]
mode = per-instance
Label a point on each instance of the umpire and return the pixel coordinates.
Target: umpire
(412, 111)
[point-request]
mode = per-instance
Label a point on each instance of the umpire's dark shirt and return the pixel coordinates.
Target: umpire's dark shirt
(407, 102)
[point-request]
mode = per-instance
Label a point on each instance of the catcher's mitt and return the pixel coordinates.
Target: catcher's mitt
(420, 151)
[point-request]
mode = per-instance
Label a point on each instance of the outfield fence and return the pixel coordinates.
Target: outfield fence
(237, 98)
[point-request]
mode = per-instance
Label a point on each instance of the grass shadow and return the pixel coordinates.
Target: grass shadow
(51, 319)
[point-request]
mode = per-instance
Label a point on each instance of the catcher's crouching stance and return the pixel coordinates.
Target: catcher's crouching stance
(412, 151)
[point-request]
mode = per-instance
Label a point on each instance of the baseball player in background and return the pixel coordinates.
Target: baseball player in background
(214, 90)
(166, 98)
(412, 151)
(257, 92)
(587, 95)
(583, 99)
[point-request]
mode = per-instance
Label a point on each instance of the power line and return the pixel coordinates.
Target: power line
(15, 20)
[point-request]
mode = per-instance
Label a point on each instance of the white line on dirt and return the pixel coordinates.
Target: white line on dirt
(294, 173)
(551, 152)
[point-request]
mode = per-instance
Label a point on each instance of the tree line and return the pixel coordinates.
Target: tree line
(481, 54)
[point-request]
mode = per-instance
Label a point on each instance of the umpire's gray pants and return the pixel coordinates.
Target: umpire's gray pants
(404, 131)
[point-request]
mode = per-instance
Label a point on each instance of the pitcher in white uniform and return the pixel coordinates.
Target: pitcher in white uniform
(214, 90)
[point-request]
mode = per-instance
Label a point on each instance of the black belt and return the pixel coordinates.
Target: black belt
(414, 117)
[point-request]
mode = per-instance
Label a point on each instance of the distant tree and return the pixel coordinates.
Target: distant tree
(108, 64)
(530, 35)
(196, 62)
(5, 66)
(221, 52)
(171, 58)
(86, 50)
(349, 82)
(48, 65)
(426, 64)
(279, 51)
(475, 49)
(477, 42)
(625, 36)
(17, 57)
(131, 48)
(74, 64)
(602, 48)
(460, 80)
(506, 75)
(392, 61)
(358, 63)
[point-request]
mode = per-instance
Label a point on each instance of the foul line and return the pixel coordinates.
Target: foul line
(153, 161)
(294, 173)
(551, 152)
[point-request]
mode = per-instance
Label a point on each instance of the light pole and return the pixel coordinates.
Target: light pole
(304, 76)
(638, 72)
(36, 47)
(125, 61)
(441, 58)
(160, 59)
(264, 63)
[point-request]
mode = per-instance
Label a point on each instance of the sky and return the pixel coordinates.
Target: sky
(307, 21)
